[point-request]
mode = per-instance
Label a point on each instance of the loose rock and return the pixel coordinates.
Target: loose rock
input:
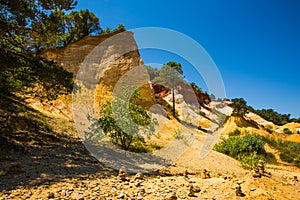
(172, 196)
(122, 174)
(205, 174)
(139, 176)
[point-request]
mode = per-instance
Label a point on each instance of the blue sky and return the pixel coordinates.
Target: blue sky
(255, 44)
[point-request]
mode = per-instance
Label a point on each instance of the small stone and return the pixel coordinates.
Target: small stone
(121, 196)
(50, 195)
(256, 175)
(139, 176)
(171, 196)
(205, 174)
(142, 190)
(137, 184)
(295, 178)
(186, 173)
(252, 189)
(191, 192)
(196, 189)
(63, 193)
(192, 180)
(76, 196)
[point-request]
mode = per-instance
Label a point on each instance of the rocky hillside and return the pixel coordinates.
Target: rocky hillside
(42, 156)
(74, 56)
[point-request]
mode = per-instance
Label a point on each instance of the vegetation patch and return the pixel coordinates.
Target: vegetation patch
(289, 151)
(248, 149)
(269, 128)
(128, 131)
(287, 131)
(236, 132)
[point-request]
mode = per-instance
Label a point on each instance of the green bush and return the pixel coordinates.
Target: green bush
(250, 160)
(247, 149)
(289, 151)
(286, 157)
(138, 146)
(269, 128)
(287, 131)
(289, 145)
(297, 161)
(155, 146)
(236, 132)
(201, 113)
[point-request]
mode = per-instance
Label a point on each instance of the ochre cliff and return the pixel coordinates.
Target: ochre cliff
(114, 54)
(119, 54)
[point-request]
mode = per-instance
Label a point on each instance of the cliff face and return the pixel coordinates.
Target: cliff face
(105, 58)
(119, 55)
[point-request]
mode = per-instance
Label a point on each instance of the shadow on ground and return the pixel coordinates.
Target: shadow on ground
(32, 154)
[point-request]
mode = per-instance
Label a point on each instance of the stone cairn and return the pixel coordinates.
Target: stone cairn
(122, 174)
(259, 171)
(205, 174)
(238, 189)
(261, 167)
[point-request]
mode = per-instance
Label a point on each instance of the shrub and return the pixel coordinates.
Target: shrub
(138, 146)
(289, 151)
(155, 146)
(248, 161)
(201, 113)
(269, 128)
(247, 149)
(286, 157)
(236, 132)
(123, 132)
(297, 161)
(270, 140)
(287, 131)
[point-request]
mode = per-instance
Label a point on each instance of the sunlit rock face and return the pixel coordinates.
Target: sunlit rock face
(108, 56)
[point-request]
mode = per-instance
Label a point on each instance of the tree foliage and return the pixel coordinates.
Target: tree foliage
(239, 106)
(170, 75)
(153, 72)
(36, 25)
(81, 24)
(29, 26)
(123, 132)
(195, 87)
(120, 28)
(273, 116)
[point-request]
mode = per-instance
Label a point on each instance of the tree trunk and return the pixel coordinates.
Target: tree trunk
(173, 99)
